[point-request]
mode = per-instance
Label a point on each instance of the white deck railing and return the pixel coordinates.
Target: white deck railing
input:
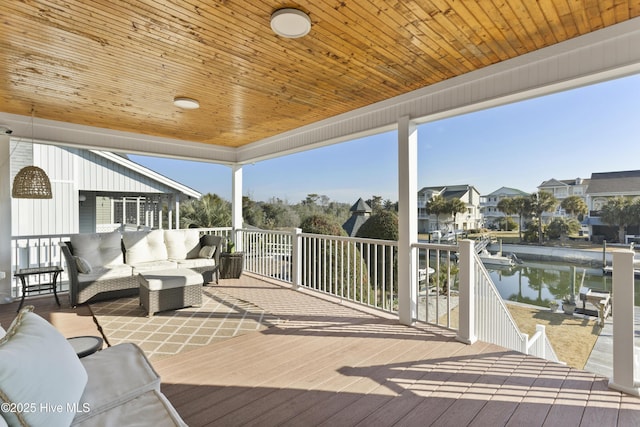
(267, 253)
(354, 269)
(363, 271)
(437, 284)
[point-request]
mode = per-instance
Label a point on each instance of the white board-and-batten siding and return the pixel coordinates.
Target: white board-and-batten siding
(70, 170)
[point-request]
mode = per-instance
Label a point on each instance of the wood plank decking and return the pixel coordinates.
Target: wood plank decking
(329, 364)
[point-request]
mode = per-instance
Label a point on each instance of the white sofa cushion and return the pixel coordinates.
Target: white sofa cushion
(144, 267)
(182, 244)
(197, 263)
(117, 374)
(144, 246)
(98, 249)
(40, 371)
(148, 409)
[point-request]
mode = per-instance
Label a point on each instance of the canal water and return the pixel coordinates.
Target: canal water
(539, 283)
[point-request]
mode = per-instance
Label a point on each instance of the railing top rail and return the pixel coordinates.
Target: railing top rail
(437, 246)
(352, 239)
(253, 230)
(42, 236)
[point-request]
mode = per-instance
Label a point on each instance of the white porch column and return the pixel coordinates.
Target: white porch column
(296, 258)
(623, 334)
(236, 204)
(124, 210)
(466, 304)
(407, 219)
(5, 218)
(177, 209)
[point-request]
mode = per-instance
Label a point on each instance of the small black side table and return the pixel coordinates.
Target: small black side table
(231, 265)
(85, 345)
(23, 274)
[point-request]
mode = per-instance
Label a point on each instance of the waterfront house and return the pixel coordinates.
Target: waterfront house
(469, 220)
(489, 204)
(561, 189)
(129, 77)
(603, 186)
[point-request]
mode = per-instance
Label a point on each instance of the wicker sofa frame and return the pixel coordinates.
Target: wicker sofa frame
(103, 289)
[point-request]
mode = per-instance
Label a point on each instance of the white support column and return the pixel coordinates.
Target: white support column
(466, 299)
(407, 219)
(236, 205)
(138, 211)
(124, 210)
(5, 219)
(177, 210)
(296, 256)
(623, 330)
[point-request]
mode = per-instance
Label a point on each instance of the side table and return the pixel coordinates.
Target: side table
(85, 345)
(231, 265)
(23, 273)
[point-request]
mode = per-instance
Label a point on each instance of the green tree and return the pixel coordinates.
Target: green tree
(559, 227)
(279, 214)
(252, 213)
(454, 207)
(375, 202)
(382, 264)
(619, 212)
(522, 206)
(541, 202)
(207, 212)
(322, 224)
(437, 206)
(575, 206)
(327, 269)
(507, 206)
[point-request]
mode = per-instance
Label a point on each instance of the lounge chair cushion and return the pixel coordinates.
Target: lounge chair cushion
(148, 409)
(39, 367)
(116, 375)
(98, 249)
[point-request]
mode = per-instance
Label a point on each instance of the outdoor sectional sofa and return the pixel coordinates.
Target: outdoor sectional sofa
(106, 265)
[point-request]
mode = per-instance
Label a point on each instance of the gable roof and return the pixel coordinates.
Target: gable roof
(508, 191)
(627, 182)
(125, 162)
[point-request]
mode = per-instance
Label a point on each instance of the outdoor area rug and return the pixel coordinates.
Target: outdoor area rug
(220, 317)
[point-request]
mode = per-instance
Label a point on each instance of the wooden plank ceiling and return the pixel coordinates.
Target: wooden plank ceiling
(119, 64)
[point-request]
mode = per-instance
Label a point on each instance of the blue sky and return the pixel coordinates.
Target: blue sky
(564, 136)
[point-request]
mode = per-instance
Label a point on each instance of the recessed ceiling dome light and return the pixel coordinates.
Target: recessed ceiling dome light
(290, 23)
(188, 103)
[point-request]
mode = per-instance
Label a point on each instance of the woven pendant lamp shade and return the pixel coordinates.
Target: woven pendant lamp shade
(31, 183)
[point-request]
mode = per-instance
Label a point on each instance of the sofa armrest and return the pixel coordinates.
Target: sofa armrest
(211, 240)
(72, 272)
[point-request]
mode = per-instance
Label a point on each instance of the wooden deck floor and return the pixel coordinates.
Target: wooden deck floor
(329, 364)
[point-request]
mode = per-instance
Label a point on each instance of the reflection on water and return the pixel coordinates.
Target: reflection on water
(538, 282)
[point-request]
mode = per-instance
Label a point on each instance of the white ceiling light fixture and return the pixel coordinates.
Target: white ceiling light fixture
(186, 103)
(290, 23)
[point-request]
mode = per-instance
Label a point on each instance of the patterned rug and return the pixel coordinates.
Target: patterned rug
(220, 317)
